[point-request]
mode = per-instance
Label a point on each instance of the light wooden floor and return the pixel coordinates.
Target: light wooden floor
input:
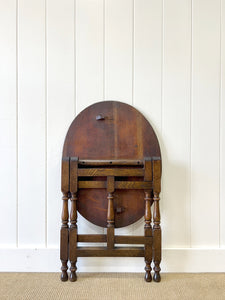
(112, 286)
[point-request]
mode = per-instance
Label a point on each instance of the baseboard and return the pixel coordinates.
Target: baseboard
(174, 260)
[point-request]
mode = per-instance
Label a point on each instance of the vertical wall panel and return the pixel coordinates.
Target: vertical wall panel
(222, 130)
(89, 67)
(119, 17)
(8, 169)
(205, 124)
(31, 122)
(89, 52)
(147, 59)
(60, 102)
(176, 123)
(118, 50)
(147, 66)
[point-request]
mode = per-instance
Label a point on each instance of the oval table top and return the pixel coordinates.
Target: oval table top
(111, 130)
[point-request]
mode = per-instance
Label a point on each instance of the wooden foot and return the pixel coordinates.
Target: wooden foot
(64, 268)
(157, 277)
(73, 275)
(148, 276)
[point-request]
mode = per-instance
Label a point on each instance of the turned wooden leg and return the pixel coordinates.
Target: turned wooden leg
(148, 236)
(64, 238)
(156, 238)
(110, 222)
(148, 276)
(110, 212)
(73, 238)
(64, 268)
(73, 268)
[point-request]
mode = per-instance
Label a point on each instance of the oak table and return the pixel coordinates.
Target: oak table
(111, 172)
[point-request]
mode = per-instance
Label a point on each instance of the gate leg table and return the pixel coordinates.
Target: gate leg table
(111, 173)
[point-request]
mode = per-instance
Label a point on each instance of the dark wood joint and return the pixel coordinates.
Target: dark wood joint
(65, 170)
(73, 174)
(157, 169)
(148, 169)
(110, 184)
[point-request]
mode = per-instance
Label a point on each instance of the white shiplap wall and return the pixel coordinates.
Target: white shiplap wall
(165, 57)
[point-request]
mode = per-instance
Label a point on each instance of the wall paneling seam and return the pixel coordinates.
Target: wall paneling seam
(162, 81)
(103, 51)
(220, 122)
(162, 69)
(17, 131)
(133, 39)
(191, 106)
(74, 57)
(46, 131)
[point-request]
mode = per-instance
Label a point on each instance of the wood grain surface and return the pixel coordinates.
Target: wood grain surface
(111, 131)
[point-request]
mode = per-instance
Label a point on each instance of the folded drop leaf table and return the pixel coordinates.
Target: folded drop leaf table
(111, 173)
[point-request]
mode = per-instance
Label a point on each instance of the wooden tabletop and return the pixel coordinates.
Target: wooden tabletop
(111, 131)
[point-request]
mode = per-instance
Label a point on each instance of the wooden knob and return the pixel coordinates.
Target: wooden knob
(100, 117)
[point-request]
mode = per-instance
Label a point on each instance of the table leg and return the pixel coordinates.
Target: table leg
(64, 238)
(148, 236)
(73, 237)
(156, 238)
